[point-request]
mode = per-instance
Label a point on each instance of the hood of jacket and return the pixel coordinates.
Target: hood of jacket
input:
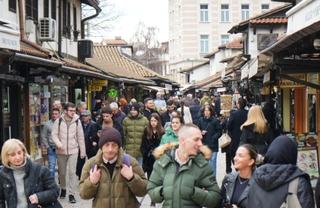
(282, 150)
(169, 147)
(139, 116)
(271, 176)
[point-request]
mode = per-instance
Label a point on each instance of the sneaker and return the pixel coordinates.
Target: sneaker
(72, 200)
(63, 194)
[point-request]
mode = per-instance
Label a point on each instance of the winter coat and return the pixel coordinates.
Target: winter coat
(133, 128)
(195, 113)
(147, 113)
(90, 135)
(115, 192)
(236, 119)
(118, 117)
(191, 185)
(271, 180)
(169, 137)
(260, 141)
(147, 147)
(37, 180)
(214, 131)
(270, 186)
(165, 117)
(46, 136)
(317, 193)
(227, 189)
(70, 137)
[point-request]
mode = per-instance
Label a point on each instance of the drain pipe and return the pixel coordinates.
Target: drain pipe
(60, 30)
(98, 10)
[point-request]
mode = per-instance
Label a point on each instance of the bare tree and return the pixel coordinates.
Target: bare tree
(100, 25)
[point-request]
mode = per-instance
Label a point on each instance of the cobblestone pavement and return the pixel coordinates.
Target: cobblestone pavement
(145, 202)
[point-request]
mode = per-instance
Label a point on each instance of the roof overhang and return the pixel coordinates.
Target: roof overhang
(296, 43)
(93, 3)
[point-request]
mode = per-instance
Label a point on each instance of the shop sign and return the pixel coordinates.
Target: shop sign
(303, 15)
(168, 86)
(95, 88)
(100, 82)
(9, 36)
(284, 83)
(266, 77)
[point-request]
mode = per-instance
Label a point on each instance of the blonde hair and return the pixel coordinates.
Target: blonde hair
(9, 147)
(256, 117)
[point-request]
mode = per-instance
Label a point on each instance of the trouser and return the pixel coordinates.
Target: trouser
(229, 159)
(213, 162)
(80, 164)
(69, 161)
(52, 159)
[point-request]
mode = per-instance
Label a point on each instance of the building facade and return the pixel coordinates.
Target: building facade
(197, 27)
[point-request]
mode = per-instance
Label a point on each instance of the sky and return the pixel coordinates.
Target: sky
(150, 12)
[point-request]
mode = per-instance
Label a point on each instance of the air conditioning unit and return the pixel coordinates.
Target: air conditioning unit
(85, 49)
(47, 29)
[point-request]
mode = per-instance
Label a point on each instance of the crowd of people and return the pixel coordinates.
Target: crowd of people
(164, 148)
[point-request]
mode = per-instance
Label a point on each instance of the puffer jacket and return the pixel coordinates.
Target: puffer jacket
(133, 128)
(227, 189)
(214, 131)
(36, 181)
(115, 192)
(191, 185)
(270, 186)
(169, 137)
(70, 137)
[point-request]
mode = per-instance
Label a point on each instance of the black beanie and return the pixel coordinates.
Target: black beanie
(135, 106)
(109, 134)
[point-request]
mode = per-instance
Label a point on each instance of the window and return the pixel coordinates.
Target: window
(32, 9)
(53, 9)
(46, 8)
(244, 11)
(204, 13)
(66, 19)
(224, 39)
(264, 7)
(12, 5)
(224, 12)
(75, 28)
(204, 43)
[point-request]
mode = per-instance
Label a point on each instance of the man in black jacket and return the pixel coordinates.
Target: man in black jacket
(237, 118)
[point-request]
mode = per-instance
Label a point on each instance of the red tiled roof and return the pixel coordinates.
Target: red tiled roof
(112, 55)
(235, 44)
(275, 20)
(31, 50)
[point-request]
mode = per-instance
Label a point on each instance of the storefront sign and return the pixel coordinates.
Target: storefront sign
(95, 88)
(168, 86)
(100, 82)
(284, 83)
(266, 77)
(9, 35)
(302, 15)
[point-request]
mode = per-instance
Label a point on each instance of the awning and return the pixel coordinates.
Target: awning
(293, 38)
(162, 90)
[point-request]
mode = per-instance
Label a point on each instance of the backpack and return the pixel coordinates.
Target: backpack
(292, 200)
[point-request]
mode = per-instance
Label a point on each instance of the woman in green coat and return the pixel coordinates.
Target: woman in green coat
(171, 133)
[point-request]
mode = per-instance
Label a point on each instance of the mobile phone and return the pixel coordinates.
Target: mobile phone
(126, 160)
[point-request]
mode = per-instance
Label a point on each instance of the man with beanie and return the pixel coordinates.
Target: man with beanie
(133, 129)
(112, 178)
(271, 181)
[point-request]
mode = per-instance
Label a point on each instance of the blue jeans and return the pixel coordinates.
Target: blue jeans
(139, 159)
(52, 158)
(213, 162)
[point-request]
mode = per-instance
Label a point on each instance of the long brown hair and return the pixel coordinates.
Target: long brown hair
(159, 128)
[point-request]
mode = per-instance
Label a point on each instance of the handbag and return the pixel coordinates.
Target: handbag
(224, 140)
